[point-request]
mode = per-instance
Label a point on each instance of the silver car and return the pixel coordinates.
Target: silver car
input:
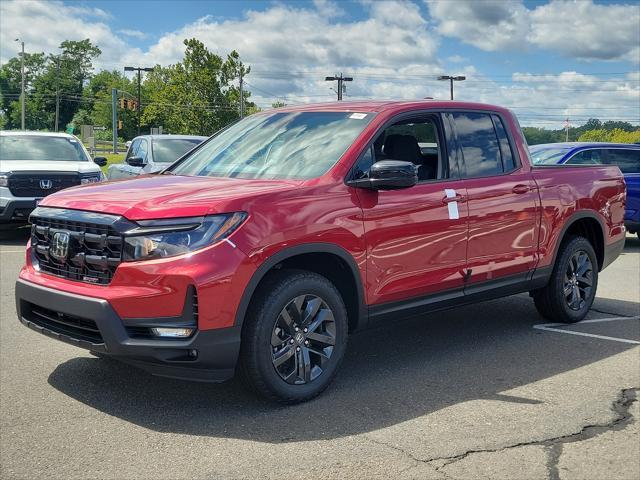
(152, 153)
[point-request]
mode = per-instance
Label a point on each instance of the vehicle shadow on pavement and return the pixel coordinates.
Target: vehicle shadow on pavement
(14, 235)
(391, 374)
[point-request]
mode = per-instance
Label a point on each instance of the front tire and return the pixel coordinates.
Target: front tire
(571, 290)
(294, 336)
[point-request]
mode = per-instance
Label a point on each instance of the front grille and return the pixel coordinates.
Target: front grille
(93, 250)
(70, 325)
(40, 184)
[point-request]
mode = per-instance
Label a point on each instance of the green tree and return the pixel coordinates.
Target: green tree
(617, 135)
(198, 95)
(10, 87)
(44, 76)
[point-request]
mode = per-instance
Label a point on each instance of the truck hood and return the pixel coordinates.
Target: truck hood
(166, 196)
(47, 166)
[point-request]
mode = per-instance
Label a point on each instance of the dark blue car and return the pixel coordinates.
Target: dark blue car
(626, 156)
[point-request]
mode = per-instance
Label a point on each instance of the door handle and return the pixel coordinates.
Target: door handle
(521, 189)
(457, 198)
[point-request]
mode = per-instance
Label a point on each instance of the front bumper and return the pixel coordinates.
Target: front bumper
(216, 350)
(16, 210)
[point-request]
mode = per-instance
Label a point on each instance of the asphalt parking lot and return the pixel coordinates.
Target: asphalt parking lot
(475, 392)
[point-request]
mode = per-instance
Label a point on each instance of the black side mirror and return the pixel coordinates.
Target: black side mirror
(135, 161)
(100, 161)
(388, 175)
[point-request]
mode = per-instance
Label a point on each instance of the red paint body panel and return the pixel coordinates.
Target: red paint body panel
(403, 242)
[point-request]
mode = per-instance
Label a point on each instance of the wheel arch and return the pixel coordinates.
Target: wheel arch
(588, 225)
(322, 258)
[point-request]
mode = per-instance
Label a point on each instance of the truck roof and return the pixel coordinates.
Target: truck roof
(386, 105)
(35, 133)
(576, 145)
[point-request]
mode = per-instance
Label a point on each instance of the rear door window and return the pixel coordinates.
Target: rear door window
(587, 157)
(508, 160)
(627, 160)
(479, 143)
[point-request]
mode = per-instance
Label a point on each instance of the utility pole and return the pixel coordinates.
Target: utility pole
(138, 69)
(241, 93)
(341, 79)
(114, 118)
(57, 93)
(22, 98)
(451, 79)
(566, 129)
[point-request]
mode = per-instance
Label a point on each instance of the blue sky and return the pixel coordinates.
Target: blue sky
(545, 59)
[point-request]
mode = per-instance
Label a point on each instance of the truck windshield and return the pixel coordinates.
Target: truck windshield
(41, 148)
(547, 156)
(298, 145)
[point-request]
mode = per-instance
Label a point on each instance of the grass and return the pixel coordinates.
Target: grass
(111, 158)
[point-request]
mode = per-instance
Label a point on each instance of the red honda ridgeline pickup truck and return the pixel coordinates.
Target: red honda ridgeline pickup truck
(266, 245)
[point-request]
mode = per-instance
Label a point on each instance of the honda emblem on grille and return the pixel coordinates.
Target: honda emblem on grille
(46, 184)
(60, 246)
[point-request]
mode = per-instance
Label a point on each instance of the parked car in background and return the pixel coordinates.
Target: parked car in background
(36, 164)
(625, 156)
(152, 153)
(264, 247)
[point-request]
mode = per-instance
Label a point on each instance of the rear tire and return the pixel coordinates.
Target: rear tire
(571, 290)
(294, 336)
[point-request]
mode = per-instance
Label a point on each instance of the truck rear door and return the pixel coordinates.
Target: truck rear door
(502, 198)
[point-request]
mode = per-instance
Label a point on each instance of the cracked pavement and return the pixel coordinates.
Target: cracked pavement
(469, 393)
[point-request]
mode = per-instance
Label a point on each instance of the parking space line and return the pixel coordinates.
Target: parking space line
(12, 251)
(553, 327)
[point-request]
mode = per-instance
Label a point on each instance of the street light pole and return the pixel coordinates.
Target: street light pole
(22, 99)
(138, 69)
(340, 80)
(452, 79)
(57, 93)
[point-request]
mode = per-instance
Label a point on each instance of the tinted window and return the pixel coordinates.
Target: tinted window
(627, 160)
(142, 149)
(168, 150)
(479, 144)
(299, 145)
(35, 147)
(364, 164)
(586, 157)
(547, 156)
(133, 148)
(508, 161)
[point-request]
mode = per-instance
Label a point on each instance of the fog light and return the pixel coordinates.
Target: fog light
(172, 332)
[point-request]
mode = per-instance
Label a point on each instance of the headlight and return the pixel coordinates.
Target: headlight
(167, 238)
(90, 178)
(4, 180)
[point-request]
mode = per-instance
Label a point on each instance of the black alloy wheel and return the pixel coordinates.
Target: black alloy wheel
(303, 339)
(578, 280)
(294, 336)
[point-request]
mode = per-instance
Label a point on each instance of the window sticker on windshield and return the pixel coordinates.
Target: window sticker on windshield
(73, 140)
(358, 116)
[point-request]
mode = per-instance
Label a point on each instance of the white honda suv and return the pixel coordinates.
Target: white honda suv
(36, 164)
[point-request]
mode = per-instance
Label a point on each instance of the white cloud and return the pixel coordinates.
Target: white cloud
(490, 25)
(588, 31)
(392, 52)
(133, 33)
(577, 29)
(44, 25)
